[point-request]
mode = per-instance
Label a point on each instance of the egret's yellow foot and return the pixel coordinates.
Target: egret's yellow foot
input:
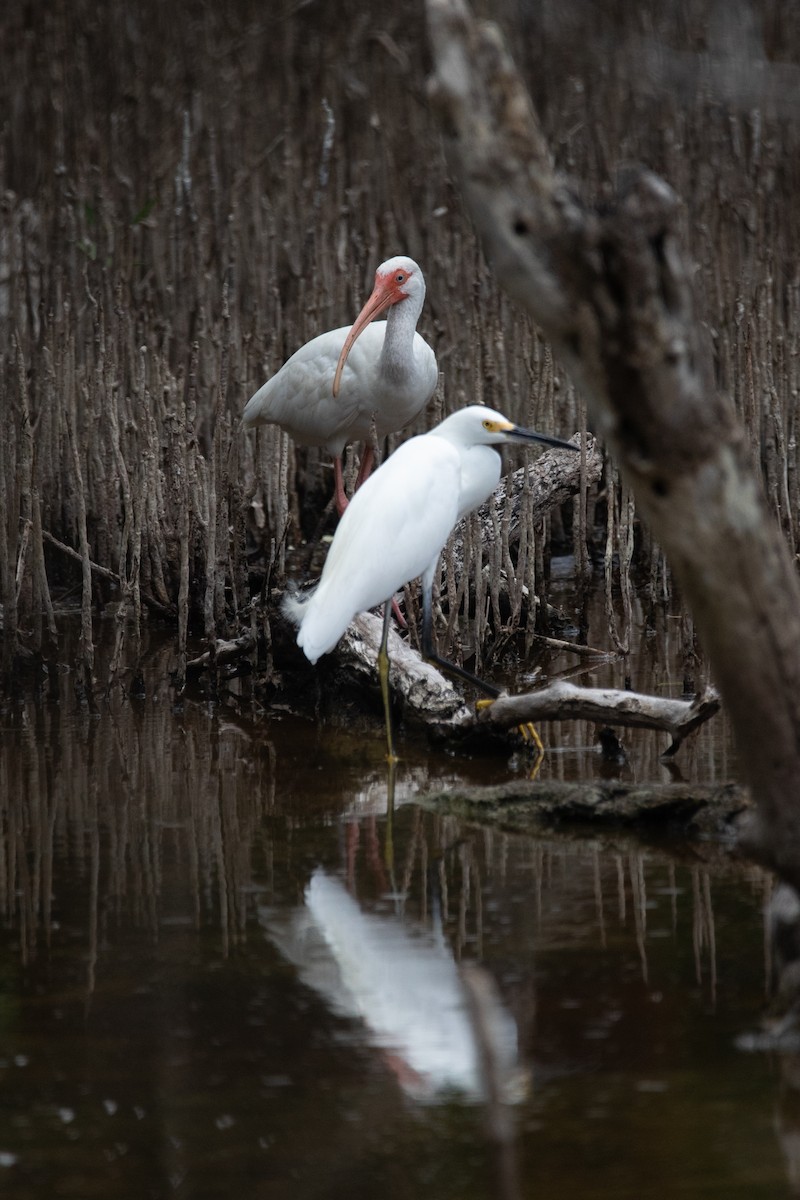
(528, 731)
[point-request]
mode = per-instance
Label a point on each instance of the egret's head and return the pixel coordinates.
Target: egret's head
(497, 428)
(478, 425)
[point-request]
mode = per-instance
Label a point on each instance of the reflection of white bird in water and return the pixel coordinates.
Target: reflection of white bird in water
(406, 988)
(396, 526)
(330, 390)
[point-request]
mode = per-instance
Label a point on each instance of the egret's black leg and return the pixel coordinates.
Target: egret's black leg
(528, 730)
(383, 674)
(430, 654)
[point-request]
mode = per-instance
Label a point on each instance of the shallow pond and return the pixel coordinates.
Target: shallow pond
(230, 968)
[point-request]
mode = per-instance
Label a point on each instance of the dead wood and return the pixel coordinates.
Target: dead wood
(103, 572)
(225, 651)
(699, 810)
(426, 697)
(612, 288)
(610, 706)
(579, 648)
(534, 491)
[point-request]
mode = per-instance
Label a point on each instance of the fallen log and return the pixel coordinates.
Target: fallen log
(579, 648)
(425, 697)
(423, 694)
(521, 805)
(225, 651)
(608, 706)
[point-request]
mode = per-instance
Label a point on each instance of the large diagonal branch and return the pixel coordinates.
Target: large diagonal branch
(611, 287)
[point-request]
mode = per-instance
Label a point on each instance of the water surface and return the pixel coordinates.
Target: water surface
(229, 968)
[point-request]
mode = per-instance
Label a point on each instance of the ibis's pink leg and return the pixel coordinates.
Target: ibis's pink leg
(338, 485)
(367, 459)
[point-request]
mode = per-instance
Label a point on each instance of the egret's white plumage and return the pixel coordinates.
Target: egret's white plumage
(396, 526)
(328, 393)
(398, 522)
(392, 531)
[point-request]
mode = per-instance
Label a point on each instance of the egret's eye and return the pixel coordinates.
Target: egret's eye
(488, 425)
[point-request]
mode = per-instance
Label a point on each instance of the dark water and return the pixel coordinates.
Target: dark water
(227, 970)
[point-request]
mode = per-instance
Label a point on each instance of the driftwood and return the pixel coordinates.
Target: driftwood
(225, 651)
(579, 648)
(612, 289)
(564, 701)
(427, 698)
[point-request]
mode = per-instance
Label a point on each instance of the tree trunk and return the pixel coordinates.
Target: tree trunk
(611, 288)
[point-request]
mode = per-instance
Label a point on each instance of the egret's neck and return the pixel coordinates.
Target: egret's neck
(397, 357)
(480, 475)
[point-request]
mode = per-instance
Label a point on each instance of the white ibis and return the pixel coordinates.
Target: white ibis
(330, 390)
(396, 526)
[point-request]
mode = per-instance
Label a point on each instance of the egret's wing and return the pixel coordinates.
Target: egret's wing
(392, 531)
(397, 522)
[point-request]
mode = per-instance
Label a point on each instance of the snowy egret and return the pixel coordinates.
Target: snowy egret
(395, 527)
(332, 389)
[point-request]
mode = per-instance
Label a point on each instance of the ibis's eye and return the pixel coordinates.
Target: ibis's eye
(400, 277)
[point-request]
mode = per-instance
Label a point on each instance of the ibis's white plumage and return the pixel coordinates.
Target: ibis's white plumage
(389, 371)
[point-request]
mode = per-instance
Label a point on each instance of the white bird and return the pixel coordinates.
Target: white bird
(404, 984)
(330, 391)
(397, 524)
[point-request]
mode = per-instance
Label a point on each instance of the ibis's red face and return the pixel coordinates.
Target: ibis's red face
(390, 285)
(390, 288)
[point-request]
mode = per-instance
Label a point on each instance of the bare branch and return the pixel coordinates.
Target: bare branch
(103, 572)
(608, 706)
